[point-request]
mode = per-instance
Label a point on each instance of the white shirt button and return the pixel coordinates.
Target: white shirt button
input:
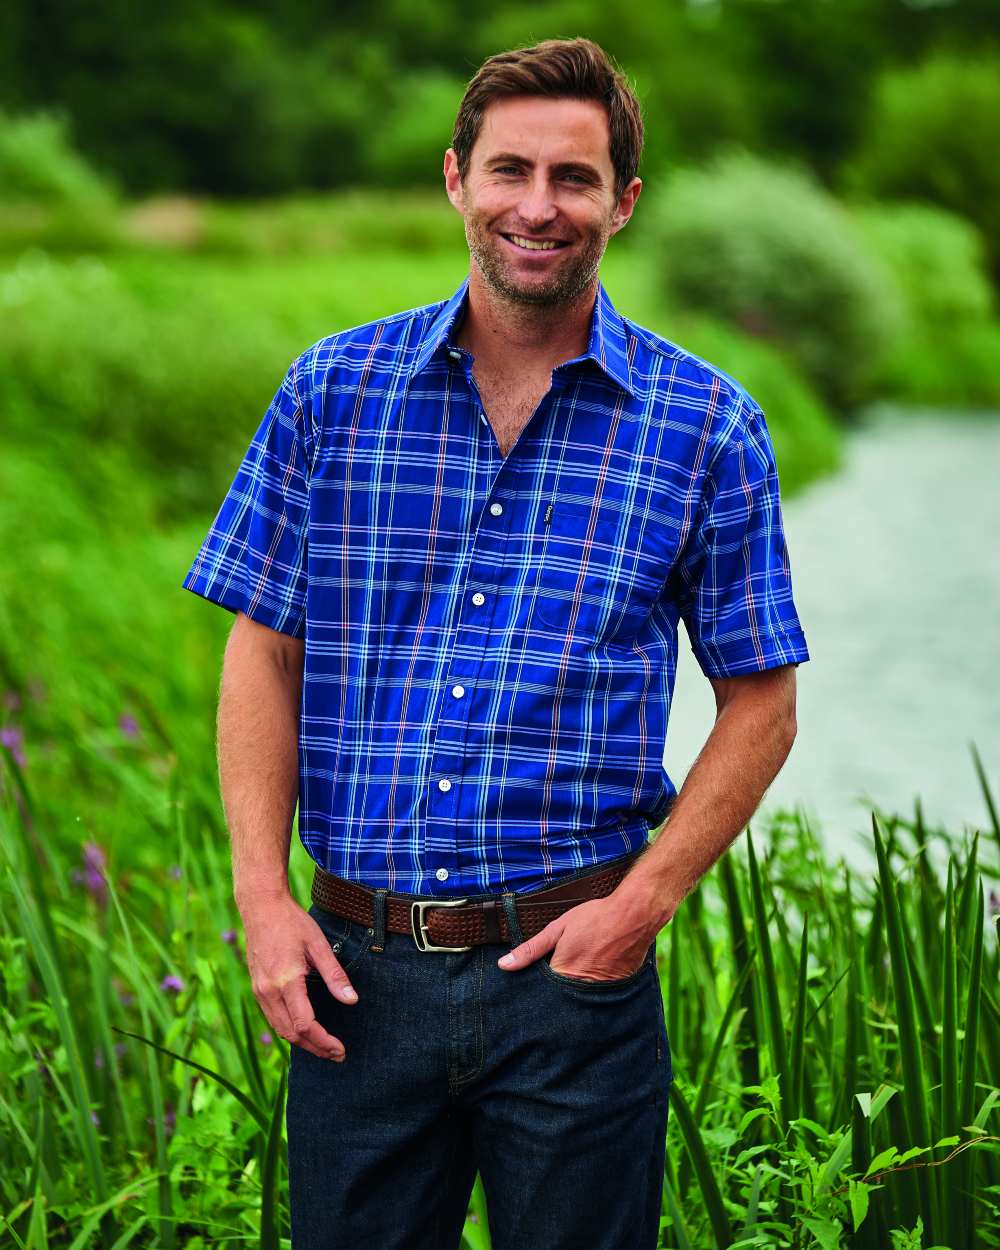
(455, 355)
(442, 874)
(482, 417)
(479, 598)
(496, 508)
(444, 784)
(458, 691)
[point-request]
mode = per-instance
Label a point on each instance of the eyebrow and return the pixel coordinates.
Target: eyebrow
(511, 158)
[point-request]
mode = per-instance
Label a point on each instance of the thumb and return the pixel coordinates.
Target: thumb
(527, 952)
(328, 966)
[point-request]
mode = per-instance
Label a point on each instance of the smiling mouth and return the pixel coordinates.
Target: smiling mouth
(535, 245)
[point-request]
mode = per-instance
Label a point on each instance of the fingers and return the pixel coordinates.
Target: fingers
(304, 1029)
(289, 1012)
(534, 948)
(326, 964)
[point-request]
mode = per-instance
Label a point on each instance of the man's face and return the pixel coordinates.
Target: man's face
(539, 197)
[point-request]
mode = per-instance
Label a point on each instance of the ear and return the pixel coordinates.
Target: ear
(452, 181)
(625, 205)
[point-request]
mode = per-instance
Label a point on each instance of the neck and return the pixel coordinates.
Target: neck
(535, 335)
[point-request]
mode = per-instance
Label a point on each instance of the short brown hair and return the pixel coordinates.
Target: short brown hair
(576, 69)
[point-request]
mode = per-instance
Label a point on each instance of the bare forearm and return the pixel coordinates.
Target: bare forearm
(258, 767)
(745, 750)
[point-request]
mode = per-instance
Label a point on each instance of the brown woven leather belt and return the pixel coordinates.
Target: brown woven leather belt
(458, 924)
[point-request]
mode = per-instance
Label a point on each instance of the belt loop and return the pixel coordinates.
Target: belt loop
(513, 923)
(378, 941)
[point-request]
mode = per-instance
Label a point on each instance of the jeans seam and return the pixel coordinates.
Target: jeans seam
(444, 1189)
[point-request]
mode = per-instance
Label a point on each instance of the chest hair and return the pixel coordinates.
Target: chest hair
(509, 403)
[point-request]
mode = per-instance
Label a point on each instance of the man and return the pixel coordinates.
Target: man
(459, 547)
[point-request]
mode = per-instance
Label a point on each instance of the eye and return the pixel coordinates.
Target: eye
(507, 169)
(581, 177)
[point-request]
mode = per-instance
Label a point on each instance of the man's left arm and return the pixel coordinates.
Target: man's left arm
(753, 733)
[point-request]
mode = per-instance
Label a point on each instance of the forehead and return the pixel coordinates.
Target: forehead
(545, 131)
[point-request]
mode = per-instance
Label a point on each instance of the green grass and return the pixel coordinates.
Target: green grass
(835, 1043)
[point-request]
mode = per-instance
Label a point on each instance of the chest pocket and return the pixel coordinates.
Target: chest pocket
(594, 577)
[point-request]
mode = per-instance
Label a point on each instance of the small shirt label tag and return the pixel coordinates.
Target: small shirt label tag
(548, 515)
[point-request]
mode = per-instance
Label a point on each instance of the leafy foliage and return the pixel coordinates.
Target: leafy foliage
(764, 247)
(931, 129)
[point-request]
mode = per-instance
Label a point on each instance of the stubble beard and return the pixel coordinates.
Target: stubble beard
(565, 286)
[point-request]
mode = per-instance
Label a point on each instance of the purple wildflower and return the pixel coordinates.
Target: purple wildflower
(13, 738)
(95, 1117)
(120, 1049)
(128, 725)
(94, 856)
(175, 871)
(994, 902)
(91, 876)
(266, 1038)
(172, 984)
(169, 1119)
(98, 1058)
(11, 700)
(228, 936)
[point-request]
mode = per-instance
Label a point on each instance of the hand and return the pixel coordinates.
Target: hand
(283, 943)
(599, 940)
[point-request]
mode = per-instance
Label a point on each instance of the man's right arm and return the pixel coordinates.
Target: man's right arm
(258, 754)
(258, 735)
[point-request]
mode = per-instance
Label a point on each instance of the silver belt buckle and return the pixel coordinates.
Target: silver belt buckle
(418, 909)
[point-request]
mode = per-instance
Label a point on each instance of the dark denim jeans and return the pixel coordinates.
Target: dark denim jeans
(555, 1089)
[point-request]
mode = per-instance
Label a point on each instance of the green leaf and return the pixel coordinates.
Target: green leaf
(827, 1232)
(701, 1162)
(882, 1160)
(248, 1104)
(858, 1196)
(269, 1173)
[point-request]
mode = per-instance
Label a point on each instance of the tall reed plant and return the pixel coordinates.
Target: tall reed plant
(835, 1042)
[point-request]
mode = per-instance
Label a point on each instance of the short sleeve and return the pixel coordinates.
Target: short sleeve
(734, 577)
(253, 558)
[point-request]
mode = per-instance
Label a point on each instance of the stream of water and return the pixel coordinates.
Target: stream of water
(896, 577)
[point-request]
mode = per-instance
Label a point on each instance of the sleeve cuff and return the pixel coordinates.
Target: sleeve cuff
(750, 655)
(277, 616)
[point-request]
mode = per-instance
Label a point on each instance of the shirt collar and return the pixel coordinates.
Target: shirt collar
(607, 345)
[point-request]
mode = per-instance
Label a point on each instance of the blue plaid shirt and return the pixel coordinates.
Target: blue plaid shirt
(490, 641)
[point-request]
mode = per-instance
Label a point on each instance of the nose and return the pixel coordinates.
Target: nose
(537, 207)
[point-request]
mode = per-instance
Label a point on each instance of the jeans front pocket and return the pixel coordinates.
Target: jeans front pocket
(594, 986)
(348, 940)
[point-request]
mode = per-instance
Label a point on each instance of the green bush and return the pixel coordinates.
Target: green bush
(936, 258)
(933, 134)
(174, 358)
(39, 165)
(763, 246)
(159, 377)
(953, 367)
(950, 350)
(407, 148)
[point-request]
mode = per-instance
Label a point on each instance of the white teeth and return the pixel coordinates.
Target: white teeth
(535, 245)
